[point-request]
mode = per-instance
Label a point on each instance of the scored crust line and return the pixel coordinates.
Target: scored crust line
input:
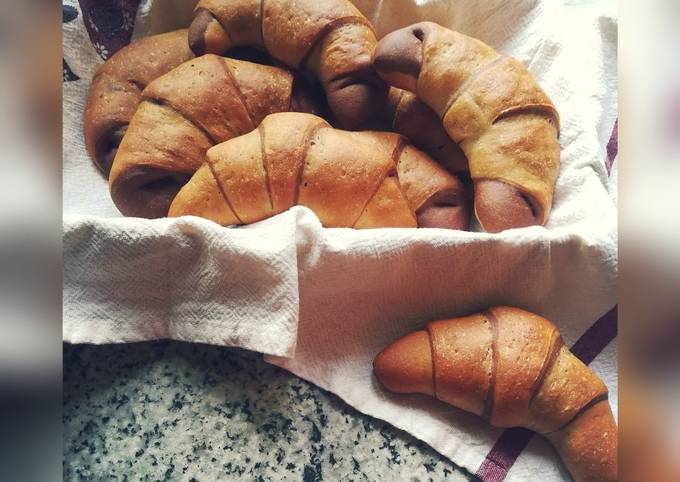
(433, 356)
(396, 115)
(116, 76)
(391, 167)
(221, 188)
(489, 401)
(239, 93)
(178, 111)
(328, 28)
(465, 86)
(309, 135)
(262, 22)
(260, 131)
(542, 110)
(548, 362)
(136, 84)
(594, 401)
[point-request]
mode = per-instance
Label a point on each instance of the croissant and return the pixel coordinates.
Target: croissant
(349, 179)
(407, 115)
(329, 38)
(512, 368)
(183, 113)
(117, 86)
(493, 108)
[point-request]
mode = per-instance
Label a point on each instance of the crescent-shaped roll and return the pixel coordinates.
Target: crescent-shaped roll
(329, 38)
(492, 107)
(117, 86)
(349, 179)
(512, 368)
(183, 113)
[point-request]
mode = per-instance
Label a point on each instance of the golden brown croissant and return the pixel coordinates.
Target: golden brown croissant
(349, 179)
(512, 368)
(203, 102)
(329, 38)
(117, 87)
(492, 106)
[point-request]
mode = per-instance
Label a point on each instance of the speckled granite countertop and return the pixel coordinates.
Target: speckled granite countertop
(176, 411)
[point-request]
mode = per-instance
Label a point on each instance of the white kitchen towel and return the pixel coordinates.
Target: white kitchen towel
(336, 297)
(182, 279)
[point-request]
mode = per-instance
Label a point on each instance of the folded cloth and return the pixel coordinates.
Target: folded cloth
(127, 280)
(326, 301)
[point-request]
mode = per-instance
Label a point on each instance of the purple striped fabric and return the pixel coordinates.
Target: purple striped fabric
(109, 23)
(513, 441)
(612, 147)
(597, 337)
(503, 454)
(510, 444)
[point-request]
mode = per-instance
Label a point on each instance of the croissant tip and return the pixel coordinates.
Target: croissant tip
(398, 57)
(145, 191)
(406, 365)
(446, 209)
(106, 148)
(500, 206)
(206, 35)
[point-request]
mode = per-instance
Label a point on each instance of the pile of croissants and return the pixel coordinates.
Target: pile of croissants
(263, 105)
(239, 117)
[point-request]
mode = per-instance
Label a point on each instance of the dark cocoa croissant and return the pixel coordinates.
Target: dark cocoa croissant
(329, 38)
(117, 87)
(183, 113)
(349, 179)
(512, 368)
(492, 107)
